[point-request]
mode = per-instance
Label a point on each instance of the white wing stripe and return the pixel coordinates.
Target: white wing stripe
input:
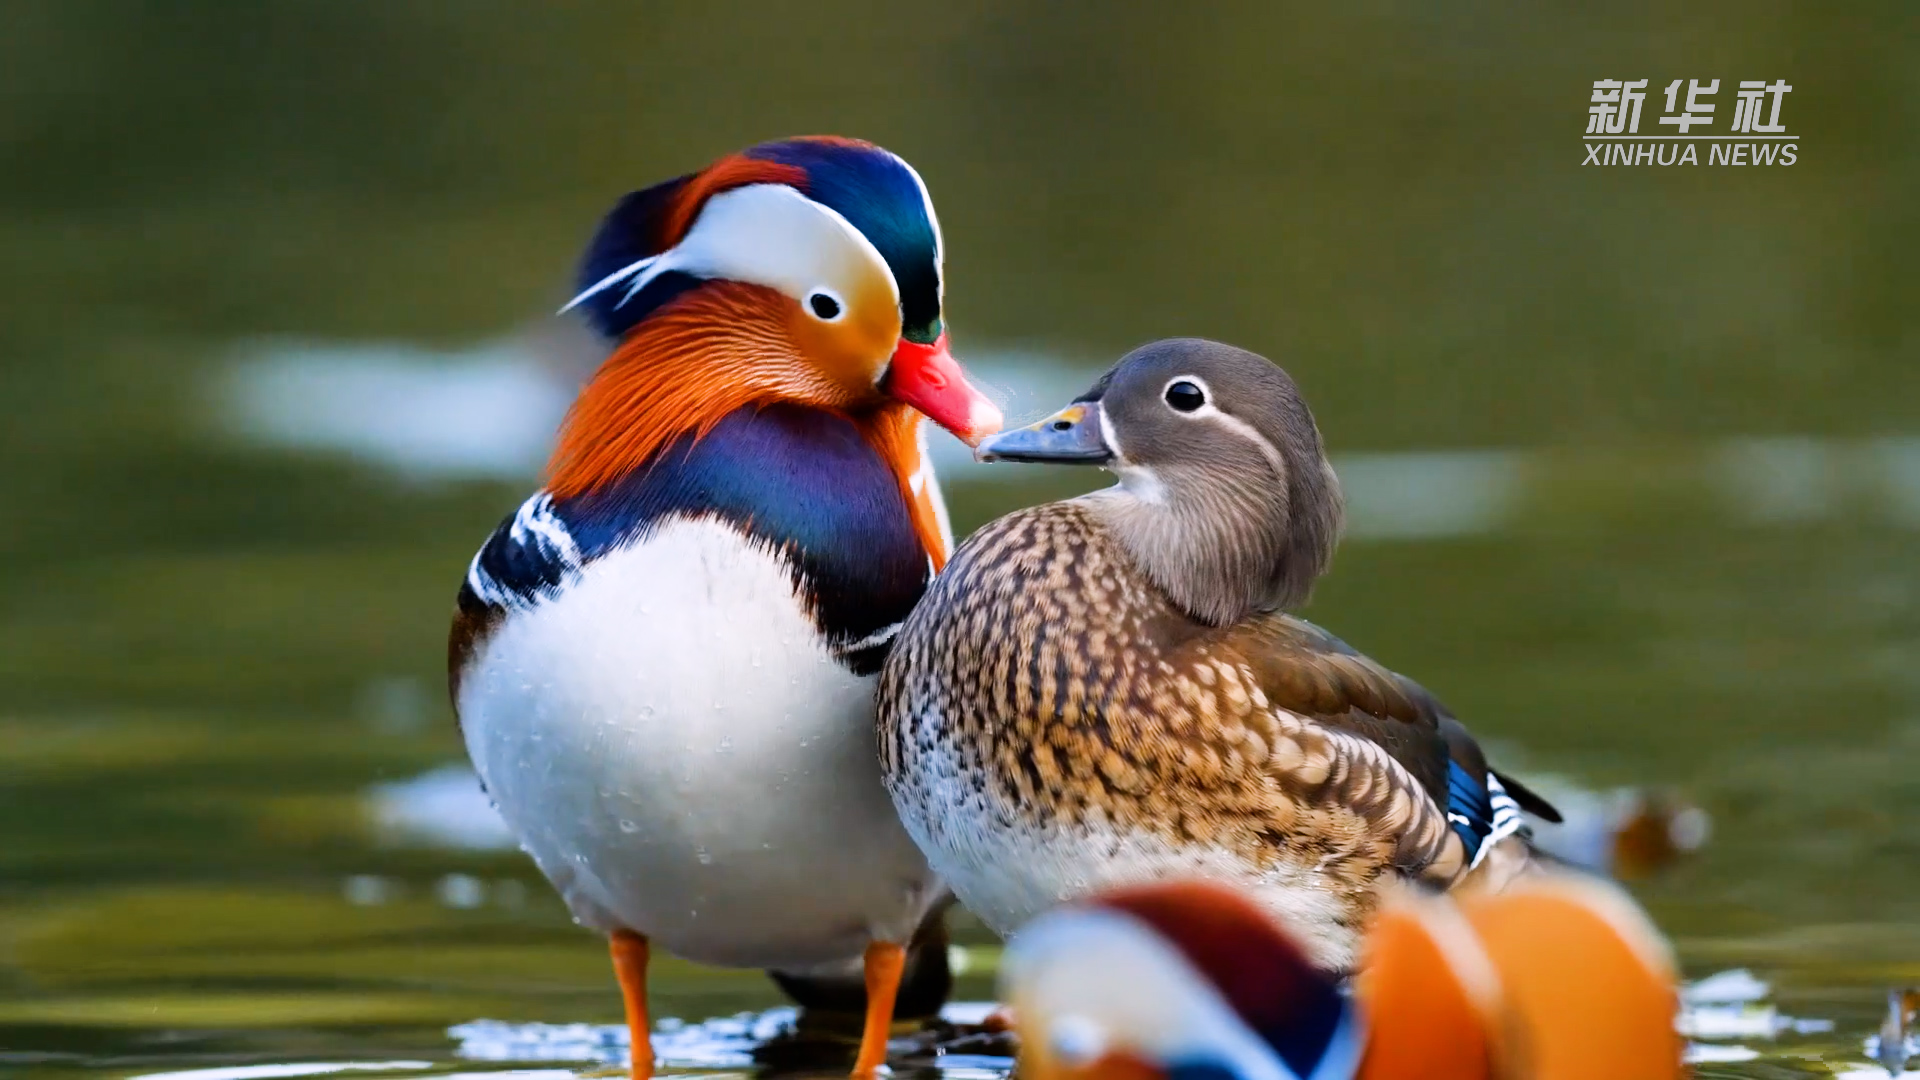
(536, 527)
(1506, 818)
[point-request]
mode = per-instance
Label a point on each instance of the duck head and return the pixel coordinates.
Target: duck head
(804, 271)
(1225, 497)
(1559, 978)
(1174, 981)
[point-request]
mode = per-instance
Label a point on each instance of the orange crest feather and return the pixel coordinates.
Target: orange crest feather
(711, 351)
(732, 171)
(718, 348)
(894, 430)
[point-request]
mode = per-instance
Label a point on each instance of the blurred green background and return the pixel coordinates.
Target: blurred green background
(1635, 451)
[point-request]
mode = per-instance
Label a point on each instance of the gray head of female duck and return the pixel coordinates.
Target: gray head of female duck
(1225, 497)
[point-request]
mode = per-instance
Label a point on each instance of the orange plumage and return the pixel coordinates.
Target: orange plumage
(719, 348)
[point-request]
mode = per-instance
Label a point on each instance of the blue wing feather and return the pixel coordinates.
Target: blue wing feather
(806, 483)
(1482, 813)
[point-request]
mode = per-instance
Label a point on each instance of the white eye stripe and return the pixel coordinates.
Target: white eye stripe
(608, 282)
(1248, 431)
(1209, 411)
(869, 254)
(763, 234)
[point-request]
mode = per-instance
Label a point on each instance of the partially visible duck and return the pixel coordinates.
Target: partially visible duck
(1108, 690)
(663, 662)
(1555, 979)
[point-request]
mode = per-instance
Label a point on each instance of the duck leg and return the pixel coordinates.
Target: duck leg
(630, 968)
(885, 963)
(832, 1002)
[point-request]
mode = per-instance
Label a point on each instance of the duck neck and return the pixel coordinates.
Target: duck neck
(1223, 547)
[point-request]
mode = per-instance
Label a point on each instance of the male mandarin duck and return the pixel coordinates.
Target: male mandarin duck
(1557, 978)
(1108, 690)
(663, 663)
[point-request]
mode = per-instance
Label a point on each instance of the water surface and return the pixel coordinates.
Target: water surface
(1632, 452)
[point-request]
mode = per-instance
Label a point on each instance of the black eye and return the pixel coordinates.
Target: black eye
(1185, 396)
(824, 306)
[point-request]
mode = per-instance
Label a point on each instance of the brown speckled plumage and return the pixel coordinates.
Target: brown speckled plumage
(1048, 705)
(1069, 687)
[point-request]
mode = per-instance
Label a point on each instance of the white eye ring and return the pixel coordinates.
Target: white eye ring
(825, 304)
(1203, 407)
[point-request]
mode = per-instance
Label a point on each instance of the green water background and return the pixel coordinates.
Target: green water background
(197, 633)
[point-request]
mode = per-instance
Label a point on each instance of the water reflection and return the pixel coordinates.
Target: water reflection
(443, 807)
(1726, 1018)
(487, 412)
(279, 1072)
(1634, 455)
(955, 1045)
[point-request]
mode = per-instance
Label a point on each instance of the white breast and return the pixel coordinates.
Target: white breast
(682, 757)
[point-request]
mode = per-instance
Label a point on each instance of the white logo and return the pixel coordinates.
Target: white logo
(1757, 137)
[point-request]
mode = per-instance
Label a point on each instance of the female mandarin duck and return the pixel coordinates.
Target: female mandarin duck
(663, 663)
(1107, 690)
(1557, 978)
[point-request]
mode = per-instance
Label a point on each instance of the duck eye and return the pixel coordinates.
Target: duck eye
(824, 306)
(1185, 396)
